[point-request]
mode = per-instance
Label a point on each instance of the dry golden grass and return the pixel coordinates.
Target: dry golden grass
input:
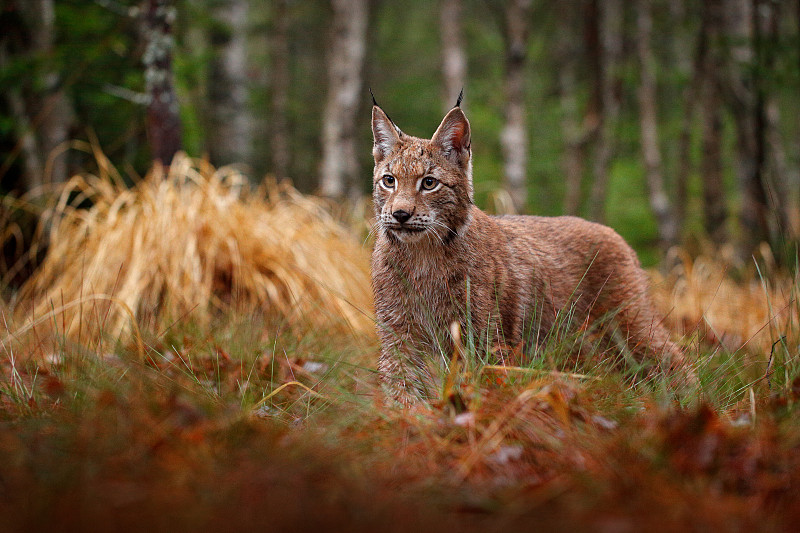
(189, 241)
(699, 295)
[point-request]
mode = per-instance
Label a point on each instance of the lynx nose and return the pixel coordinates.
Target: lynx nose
(401, 216)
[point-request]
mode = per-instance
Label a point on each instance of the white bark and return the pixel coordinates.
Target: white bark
(231, 129)
(163, 119)
(454, 58)
(339, 168)
(648, 121)
(573, 133)
(514, 137)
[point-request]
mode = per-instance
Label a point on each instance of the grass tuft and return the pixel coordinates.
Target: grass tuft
(191, 241)
(699, 297)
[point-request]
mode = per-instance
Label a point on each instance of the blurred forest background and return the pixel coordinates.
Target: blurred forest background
(675, 122)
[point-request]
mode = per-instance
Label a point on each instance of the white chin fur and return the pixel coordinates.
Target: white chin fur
(408, 237)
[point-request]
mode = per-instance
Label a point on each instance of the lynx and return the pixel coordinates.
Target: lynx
(439, 259)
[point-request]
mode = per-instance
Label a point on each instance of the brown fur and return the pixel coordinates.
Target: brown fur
(513, 273)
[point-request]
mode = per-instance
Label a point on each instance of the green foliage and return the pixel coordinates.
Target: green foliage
(97, 51)
(627, 210)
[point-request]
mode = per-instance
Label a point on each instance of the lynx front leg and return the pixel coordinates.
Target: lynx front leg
(405, 378)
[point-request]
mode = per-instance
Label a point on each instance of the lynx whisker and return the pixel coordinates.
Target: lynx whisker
(437, 224)
(449, 230)
(373, 230)
(438, 237)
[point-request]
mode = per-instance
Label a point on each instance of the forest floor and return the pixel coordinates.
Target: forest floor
(239, 425)
(225, 418)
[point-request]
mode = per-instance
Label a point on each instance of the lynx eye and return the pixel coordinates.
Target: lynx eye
(429, 183)
(388, 182)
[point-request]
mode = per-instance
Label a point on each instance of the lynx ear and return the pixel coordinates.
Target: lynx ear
(453, 137)
(384, 133)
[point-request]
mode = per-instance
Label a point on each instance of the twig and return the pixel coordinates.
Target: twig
(768, 372)
(554, 373)
(296, 383)
(127, 94)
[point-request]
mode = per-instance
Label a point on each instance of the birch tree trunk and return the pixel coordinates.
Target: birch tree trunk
(163, 121)
(574, 134)
(55, 115)
(514, 137)
(279, 137)
(339, 169)
(231, 123)
(611, 24)
(454, 58)
(648, 120)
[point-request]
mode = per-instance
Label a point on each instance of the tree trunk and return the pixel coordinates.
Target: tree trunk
(648, 120)
(574, 135)
(43, 116)
(574, 140)
(699, 73)
(611, 25)
(751, 27)
(231, 124)
(594, 66)
(741, 95)
(514, 137)
(785, 203)
(704, 94)
(715, 213)
(163, 120)
(776, 175)
(55, 128)
(454, 59)
(281, 156)
(28, 145)
(54, 118)
(339, 169)
(681, 52)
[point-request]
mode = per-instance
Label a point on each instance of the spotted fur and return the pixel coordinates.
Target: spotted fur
(440, 259)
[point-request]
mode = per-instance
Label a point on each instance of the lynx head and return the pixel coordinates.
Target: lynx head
(422, 188)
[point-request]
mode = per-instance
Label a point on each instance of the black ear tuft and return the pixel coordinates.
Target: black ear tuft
(460, 97)
(375, 104)
(385, 134)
